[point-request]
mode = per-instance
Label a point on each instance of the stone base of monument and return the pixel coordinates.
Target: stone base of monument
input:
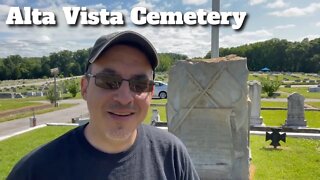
(160, 124)
(256, 121)
(80, 121)
(295, 124)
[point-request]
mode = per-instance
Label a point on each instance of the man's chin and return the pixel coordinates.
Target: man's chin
(120, 135)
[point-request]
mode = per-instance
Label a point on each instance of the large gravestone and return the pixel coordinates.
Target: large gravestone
(255, 98)
(295, 116)
(208, 110)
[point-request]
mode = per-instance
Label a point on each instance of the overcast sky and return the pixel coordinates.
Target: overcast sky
(284, 19)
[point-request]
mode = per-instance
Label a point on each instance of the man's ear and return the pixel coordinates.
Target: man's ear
(84, 87)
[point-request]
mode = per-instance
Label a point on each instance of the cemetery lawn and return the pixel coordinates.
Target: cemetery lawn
(296, 159)
(268, 104)
(161, 110)
(30, 114)
(314, 104)
(302, 91)
(13, 149)
(278, 117)
(9, 104)
(270, 117)
(159, 101)
(162, 113)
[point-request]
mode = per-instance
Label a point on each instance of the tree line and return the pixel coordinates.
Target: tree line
(276, 54)
(69, 63)
(279, 55)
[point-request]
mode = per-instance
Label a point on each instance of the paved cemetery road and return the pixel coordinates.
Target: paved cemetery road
(60, 116)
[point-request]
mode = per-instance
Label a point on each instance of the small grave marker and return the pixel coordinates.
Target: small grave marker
(275, 137)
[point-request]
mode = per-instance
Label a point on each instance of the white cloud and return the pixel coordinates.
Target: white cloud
(226, 5)
(144, 3)
(285, 26)
(309, 36)
(194, 2)
(4, 10)
(256, 2)
(277, 4)
(241, 38)
(191, 41)
(51, 3)
(97, 6)
(318, 24)
(295, 11)
(42, 40)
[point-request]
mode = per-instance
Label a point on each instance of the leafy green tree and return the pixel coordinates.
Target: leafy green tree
(73, 88)
(165, 63)
(81, 58)
(269, 85)
(51, 96)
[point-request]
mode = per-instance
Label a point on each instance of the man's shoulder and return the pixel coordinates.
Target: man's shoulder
(59, 143)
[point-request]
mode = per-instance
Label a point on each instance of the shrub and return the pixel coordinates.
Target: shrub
(269, 85)
(50, 95)
(73, 88)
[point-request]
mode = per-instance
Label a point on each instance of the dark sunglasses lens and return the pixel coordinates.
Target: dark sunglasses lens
(141, 85)
(108, 81)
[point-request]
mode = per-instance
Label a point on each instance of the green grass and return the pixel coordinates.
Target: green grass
(278, 117)
(295, 159)
(162, 113)
(280, 77)
(8, 104)
(313, 104)
(273, 104)
(270, 117)
(13, 149)
(159, 101)
(161, 109)
(302, 91)
(30, 113)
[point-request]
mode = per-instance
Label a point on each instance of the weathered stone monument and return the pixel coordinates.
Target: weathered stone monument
(208, 110)
(255, 98)
(295, 116)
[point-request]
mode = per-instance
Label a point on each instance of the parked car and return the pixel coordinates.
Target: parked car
(160, 90)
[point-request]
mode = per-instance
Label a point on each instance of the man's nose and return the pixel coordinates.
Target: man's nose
(124, 95)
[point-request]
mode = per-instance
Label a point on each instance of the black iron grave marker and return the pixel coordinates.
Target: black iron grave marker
(275, 137)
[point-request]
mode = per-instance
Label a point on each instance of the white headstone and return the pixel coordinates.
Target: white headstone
(155, 117)
(39, 93)
(295, 116)
(208, 110)
(255, 98)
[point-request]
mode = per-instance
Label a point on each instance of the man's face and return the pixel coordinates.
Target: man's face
(115, 114)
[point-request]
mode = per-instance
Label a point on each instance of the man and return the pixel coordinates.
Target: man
(118, 87)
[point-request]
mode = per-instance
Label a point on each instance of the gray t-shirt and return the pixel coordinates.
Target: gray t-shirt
(154, 155)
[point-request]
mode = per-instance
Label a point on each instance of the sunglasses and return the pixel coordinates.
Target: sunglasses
(110, 81)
